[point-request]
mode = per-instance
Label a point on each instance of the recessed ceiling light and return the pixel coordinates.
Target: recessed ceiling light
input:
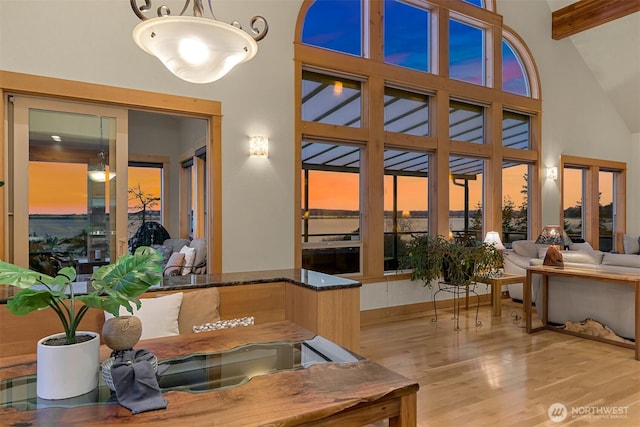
(56, 138)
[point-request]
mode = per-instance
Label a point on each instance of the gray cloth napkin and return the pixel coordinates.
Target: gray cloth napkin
(135, 381)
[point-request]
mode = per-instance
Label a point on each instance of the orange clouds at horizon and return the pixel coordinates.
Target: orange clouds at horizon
(62, 188)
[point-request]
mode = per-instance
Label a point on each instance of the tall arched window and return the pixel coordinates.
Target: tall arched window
(440, 120)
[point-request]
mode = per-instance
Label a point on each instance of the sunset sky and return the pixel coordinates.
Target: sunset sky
(61, 188)
(329, 190)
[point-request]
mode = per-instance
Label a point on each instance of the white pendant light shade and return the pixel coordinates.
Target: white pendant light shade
(101, 176)
(195, 49)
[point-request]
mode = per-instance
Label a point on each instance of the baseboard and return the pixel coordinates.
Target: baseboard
(409, 311)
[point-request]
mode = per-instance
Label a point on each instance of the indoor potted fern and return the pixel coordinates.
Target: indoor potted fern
(114, 285)
(459, 262)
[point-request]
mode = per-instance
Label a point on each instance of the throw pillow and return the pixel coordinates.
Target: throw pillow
(526, 248)
(189, 257)
(159, 316)
(198, 307)
(174, 265)
(224, 324)
(631, 244)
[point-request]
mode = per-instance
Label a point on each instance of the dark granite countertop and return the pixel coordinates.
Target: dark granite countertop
(301, 277)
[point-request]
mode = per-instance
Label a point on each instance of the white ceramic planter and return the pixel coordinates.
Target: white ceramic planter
(67, 370)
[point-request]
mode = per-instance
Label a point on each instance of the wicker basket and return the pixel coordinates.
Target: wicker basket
(106, 370)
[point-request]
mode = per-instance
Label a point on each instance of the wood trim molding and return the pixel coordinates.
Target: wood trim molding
(69, 90)
(586, 14)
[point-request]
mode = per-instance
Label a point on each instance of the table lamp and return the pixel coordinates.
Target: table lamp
(493, 238)
(555, 237)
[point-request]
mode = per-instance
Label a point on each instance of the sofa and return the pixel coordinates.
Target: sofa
(577, 300)
(183, 256)
(178, 313)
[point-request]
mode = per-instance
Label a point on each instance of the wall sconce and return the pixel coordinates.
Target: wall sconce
(259, 146)
(552, 173)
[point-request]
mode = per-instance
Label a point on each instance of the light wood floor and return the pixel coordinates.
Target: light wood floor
(498, 375)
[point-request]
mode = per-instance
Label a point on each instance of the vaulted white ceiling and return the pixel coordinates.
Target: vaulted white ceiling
(612, 53)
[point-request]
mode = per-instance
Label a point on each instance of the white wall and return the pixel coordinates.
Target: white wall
(91, 41)
(633, 187)
(578, 119)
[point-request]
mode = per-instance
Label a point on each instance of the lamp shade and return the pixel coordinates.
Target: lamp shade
(195, 49)
(553, 235)
(493, 238)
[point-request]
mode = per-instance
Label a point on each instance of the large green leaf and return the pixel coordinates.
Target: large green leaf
(117, 284)
(29, 300)
(130, 275)
(20, 277)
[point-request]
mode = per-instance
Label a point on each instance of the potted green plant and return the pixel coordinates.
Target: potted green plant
(459, 262)
(114, 285)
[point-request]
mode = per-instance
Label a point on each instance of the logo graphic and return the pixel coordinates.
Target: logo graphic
(557, 412)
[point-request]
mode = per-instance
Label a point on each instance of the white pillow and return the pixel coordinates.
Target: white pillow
(631, 244)
(159, 316)
(189, 257)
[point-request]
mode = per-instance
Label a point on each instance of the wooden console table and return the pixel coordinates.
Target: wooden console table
(604, 277)
(345, 394)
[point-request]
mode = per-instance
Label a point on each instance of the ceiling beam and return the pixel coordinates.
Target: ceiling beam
(586, 14)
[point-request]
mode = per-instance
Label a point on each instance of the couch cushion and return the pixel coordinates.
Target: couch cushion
(199, 307)
(631, 244)
(576, 257)
(526, 248)
(623, 260)
(200, 245)
(175, 244)
(159, 316)
(189, 257)
(174, 265)
(583, 246)
(582, 257)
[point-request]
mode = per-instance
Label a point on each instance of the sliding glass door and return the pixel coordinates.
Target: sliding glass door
(69, 173)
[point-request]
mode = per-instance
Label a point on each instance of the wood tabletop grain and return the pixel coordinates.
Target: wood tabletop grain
(352, 392)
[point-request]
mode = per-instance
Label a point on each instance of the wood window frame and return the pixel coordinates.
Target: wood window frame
(68, 90)
(378, 75)
(590, 204)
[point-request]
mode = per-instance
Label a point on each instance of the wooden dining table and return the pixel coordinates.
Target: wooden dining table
(357, 392)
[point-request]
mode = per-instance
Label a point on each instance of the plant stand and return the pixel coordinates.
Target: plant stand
(458, 291)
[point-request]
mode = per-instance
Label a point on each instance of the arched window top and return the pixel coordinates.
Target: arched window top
(514, 74)
(409, 36)
(334, 25)
(519, 72)
(479, 3)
